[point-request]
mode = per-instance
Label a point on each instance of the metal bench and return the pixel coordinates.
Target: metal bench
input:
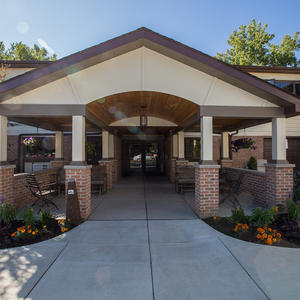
(41, 191)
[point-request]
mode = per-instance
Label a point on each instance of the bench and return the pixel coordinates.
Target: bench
(185, 179)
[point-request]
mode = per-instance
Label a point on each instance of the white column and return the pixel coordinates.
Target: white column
(175, 145)
(180, 144)
(206, 139)
(111, 152)
(279, 139)
(59, 145)
(225, 145)
(3, 138)
(78, 138)
(105, 144)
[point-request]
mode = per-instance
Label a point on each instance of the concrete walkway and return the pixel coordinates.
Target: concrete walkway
(143, 242)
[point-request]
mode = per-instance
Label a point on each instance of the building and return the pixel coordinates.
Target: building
(144, 101)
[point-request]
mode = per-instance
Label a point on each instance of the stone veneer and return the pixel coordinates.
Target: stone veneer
(82, 176)
(206, 201)
(7, 183)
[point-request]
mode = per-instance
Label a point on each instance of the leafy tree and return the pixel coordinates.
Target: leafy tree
(251, 45)
(20, 51)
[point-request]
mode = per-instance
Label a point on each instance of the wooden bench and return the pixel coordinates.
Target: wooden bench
(99, 178)
(185, 179)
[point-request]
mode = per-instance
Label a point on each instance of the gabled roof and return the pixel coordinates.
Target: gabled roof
(161, 44)
(25, 63)
(269, 69)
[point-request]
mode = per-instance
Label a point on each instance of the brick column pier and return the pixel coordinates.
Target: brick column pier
(7, 183)
(279, 183)
(172, 173)
(206, 202)
(109, 172)
(82, 176)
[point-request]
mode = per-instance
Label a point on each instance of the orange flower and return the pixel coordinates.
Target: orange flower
(269, 241)
(278, 235)
(264, 236)
(13, 234)
(274, 230)
(258, 236)
(265, 227)
(270, 229)
(214, 218)
(274, 240)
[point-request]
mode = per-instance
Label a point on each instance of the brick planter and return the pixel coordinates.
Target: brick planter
(279, 183)
(7, 183)
(82, 176)
(206, 202)
(109, 172)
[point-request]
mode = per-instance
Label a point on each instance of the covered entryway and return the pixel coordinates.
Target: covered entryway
(108, 88)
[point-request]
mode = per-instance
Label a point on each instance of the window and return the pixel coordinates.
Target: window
(292, 87)
(192, 149)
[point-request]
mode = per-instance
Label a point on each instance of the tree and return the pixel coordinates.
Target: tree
(20, 51)
(251, 45)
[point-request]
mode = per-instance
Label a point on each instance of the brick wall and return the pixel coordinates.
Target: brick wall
(82, 176)
(6, 183)
(109, 172)
(206, 201)
(279, 183)
(253, 182)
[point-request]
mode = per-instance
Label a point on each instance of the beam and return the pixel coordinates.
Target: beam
(37, 123)
(189, 122)
(241, 111)
(242, 125)
(42, 110)
(95, 121)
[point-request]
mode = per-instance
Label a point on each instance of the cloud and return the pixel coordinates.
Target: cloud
(45, 45)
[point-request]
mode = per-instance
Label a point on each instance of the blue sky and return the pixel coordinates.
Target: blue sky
(68, 26)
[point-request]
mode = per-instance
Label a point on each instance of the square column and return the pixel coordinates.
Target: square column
(279, 140)
(206, 140)
(175, 146)
(206, 201)
(105, 144)
(3, 139)
(111, 152)
(78, 140)
(279, 173)
(180, 140)
(225, 155)
(59, 145)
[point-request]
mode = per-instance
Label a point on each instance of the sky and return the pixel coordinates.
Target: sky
(66, 26)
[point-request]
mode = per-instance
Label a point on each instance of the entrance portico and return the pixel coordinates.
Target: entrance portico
(109, 86)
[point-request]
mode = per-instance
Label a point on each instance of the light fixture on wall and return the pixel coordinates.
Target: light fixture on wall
(143, 117)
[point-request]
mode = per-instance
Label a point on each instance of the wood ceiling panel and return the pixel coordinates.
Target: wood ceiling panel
(126, 105)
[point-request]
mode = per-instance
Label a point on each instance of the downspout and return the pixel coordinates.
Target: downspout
(230, 141)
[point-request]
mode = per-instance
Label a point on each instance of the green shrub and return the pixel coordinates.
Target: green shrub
(252, 163)
(293, 210)
(8, 213)
(263, 217)
(47, 218)
(238, 216)
(28, 216)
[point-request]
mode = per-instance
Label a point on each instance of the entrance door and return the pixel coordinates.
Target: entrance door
(142, 157)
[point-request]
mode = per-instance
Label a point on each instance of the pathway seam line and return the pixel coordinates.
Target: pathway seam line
(245, 270)
(148, 236)
(46, 270)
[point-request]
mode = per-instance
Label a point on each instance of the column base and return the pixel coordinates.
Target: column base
(206, 202)
(109, 172)
(279, 183)
(7, 183)
(82, 177)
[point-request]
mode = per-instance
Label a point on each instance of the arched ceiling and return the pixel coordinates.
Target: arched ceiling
(130, 104)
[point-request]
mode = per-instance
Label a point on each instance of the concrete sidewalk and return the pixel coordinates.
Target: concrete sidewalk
(144, 242)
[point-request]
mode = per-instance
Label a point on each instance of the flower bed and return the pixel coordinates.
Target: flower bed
(28, 229)
(264, 226)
